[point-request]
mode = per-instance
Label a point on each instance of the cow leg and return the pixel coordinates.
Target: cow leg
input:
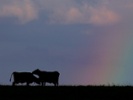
(27, 84)
(41, 83)
(44, 83)
(13, 84)
(54, 84)
(57, 84)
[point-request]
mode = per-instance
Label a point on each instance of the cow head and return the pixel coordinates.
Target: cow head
(37, 71)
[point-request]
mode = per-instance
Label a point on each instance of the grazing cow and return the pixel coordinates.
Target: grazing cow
(24, 77)
(45, 76)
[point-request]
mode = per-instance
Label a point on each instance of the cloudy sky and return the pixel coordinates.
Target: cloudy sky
(90, 42)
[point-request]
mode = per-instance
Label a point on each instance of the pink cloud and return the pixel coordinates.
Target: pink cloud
(24, 10)
(103, 12)
(73, 15)
(103, 15)
(85, 14)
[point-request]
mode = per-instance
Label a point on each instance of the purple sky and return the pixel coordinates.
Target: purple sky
(63, 35)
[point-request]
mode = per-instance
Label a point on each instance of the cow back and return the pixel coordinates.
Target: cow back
(50, 76)
(23, 77)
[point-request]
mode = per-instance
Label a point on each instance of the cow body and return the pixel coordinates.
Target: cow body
(24, 77)
(49, 77)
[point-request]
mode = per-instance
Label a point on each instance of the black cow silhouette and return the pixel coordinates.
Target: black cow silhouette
(47, 76)
(24, 77)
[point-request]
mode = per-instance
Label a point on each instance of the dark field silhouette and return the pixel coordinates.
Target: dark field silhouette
(66, 92)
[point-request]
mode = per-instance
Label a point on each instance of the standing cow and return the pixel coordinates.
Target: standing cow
(45, 76)
(24, 77)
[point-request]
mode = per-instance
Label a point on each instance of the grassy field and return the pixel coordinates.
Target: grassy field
(66, 92)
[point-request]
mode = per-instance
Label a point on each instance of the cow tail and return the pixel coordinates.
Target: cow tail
(11, 77)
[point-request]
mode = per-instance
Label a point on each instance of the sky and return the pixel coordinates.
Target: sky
(90, 42)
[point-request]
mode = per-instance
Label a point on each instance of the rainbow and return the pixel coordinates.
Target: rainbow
(113, 61)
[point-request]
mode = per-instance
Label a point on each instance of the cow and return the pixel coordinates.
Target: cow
(47, 76)
(24, 77)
